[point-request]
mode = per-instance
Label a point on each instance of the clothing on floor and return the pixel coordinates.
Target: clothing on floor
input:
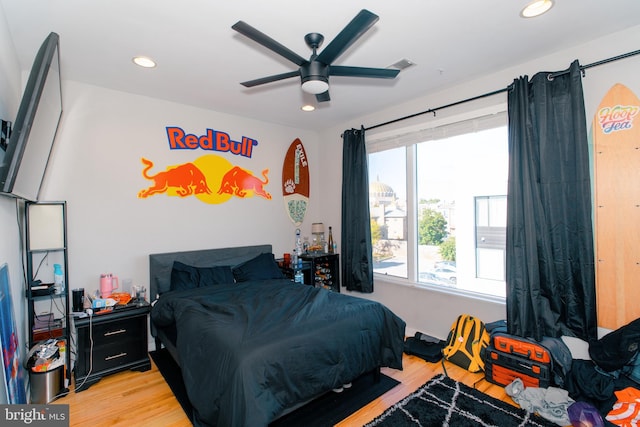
(626, 411)
(550, 403)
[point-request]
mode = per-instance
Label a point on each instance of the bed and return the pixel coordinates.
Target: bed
(254, 345)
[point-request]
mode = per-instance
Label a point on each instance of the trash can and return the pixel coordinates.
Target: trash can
(45, 364)
(45, 386)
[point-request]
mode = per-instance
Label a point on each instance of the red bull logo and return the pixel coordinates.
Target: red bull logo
(238, 181)
(185, 179)
(197, 178)
(212, 140)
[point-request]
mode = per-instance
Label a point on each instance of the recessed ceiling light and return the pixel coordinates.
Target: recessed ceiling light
(144, 61)
(307, 107)
(536, 8)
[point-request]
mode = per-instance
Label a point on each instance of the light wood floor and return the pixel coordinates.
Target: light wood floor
(136, 399)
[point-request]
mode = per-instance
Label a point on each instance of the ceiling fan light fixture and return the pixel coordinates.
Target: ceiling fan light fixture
(315, 86)
(536, 8)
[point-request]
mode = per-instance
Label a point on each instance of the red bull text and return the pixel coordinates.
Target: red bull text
(212, 140)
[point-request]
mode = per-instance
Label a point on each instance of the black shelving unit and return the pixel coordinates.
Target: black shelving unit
(46, 245)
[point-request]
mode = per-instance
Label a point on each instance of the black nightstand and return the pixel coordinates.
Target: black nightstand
(119, 343)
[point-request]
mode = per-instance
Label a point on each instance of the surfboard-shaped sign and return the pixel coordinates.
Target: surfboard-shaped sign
(295, 182)
(616, 152)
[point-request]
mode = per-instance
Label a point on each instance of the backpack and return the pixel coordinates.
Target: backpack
(617, 348)
(466, 343)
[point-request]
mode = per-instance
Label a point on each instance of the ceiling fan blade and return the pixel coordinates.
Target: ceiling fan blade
(352, 32)
(269, 79)
(380, 73)
(323, 97)
(266, 41)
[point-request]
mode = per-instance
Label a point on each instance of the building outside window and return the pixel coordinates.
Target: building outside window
(438, 206)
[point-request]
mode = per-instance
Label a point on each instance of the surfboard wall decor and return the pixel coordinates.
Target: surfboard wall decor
(616, 159)
(295, 182)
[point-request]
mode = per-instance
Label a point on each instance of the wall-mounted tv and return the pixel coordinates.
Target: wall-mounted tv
(24, 162)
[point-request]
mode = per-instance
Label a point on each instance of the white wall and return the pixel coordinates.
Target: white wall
(96, 168)
(432, 311)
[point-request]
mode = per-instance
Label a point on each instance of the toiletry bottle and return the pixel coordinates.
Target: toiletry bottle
(58, 279)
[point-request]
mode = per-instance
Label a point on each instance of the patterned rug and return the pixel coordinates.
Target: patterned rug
(445, 402)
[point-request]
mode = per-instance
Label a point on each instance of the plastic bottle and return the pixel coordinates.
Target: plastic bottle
(58, 279)
(330, 247)
(298, 276)
(298, 242)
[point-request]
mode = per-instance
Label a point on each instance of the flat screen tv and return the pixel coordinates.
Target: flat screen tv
(24, 161)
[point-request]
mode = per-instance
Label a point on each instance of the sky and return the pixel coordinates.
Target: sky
(481, 156)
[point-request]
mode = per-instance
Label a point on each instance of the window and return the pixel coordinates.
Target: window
(388, 209)
(438, 205)
(491, 231)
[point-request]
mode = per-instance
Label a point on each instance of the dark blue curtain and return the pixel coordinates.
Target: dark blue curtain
(357, 267)
(549, 250)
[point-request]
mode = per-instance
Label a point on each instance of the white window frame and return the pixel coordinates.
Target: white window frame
(430, 129)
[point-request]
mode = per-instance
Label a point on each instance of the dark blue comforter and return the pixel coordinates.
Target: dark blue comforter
(250, 350)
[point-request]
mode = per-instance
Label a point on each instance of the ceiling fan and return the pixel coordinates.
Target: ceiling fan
(314, 73)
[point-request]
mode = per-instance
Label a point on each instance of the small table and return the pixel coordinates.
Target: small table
(119, 343)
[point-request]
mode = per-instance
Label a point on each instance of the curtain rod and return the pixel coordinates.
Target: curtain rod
(551, 76)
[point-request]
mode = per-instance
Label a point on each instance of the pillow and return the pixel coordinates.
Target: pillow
(185, 276)
(262, 267)
(217, 275)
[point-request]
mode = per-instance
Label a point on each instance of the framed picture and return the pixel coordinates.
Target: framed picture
(13, 372)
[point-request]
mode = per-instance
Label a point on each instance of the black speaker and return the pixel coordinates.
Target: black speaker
(78, 300)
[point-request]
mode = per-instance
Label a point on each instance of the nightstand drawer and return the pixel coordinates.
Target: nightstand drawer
(109, 357)
(119, 331)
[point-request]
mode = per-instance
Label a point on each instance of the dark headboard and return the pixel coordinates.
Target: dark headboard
(160, 265)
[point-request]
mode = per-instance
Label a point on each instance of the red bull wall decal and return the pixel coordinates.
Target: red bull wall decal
(210, 178)
(239, 182)
(212, 140)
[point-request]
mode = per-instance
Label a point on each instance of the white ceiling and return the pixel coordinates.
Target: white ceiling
(201, 60)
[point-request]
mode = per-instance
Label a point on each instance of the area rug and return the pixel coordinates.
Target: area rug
(444, 402)
(324, 411)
